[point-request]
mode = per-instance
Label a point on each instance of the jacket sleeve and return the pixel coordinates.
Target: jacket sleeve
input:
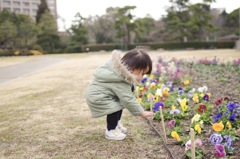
(127, 99)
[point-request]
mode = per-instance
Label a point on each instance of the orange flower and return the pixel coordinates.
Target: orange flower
(153, 85)
(218, 126)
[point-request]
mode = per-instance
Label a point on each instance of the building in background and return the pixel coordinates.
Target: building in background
(28, 7)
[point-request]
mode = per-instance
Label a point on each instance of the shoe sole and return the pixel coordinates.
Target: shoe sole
(117, 139)
(123, 131)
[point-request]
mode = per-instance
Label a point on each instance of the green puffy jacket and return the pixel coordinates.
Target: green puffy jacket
(111, 89)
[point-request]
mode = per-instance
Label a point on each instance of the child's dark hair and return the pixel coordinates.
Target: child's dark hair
(137, 59)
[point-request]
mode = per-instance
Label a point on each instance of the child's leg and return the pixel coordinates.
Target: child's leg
(112, 120)
(119, 125)
(120, 114)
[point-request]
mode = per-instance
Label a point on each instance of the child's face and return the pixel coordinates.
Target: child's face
(139, 74)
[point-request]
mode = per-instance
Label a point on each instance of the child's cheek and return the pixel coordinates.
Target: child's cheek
(138, 78)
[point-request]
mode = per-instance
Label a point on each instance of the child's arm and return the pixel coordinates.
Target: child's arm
(129, 101)
(146, 114)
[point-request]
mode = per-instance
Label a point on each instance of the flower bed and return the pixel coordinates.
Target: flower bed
(186, 93)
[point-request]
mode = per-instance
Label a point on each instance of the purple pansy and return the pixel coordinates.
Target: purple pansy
(216, 117)
(206, 97)
(190, 94)
(171, 123)
(231, 106)
(232, 118)
(157, 105)
(154, 81)
(216, 138)
(225, 113)
(172, 89)
(227, 137)
(144, 80)
(228, 142)
(175, 111)
(180, 92)
(169, 84)
(220, 151)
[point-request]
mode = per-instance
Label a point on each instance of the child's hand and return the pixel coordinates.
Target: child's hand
(147, 114)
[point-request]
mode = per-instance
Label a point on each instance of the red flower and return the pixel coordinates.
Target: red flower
(219, 101)
(202, 108)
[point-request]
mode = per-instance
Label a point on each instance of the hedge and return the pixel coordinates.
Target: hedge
(153, 46)
(166, 46)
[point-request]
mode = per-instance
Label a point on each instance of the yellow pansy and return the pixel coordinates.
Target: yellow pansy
(218, 126)
(183, 104)
(151, 76)
(196, 117)
(195, 98)
(159, 85)
(201, 95)
(152, 85)
(187, 82)
(229, 125)
(198, 128)
(175, 135)
(166, 89)
(173, 107)
(139, 100)
(165, 92)
(141, 88)
(156, 98)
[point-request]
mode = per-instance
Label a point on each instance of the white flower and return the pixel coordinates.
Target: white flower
(159, 92)
(205, 88)
(196, 118)
(193, 90)
(179, 100)
(145, 76)
(147, 84)
(200, 89)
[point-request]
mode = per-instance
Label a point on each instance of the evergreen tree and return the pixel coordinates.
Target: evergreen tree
(125, 24)
(42, 8)
(232, 22)
(47, 36)
(78, 31)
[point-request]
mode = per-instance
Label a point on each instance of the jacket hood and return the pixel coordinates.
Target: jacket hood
(115, 70)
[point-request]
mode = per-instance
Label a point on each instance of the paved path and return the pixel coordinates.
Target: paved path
(12, 72)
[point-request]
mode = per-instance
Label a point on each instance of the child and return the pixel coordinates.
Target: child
(111, 90)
